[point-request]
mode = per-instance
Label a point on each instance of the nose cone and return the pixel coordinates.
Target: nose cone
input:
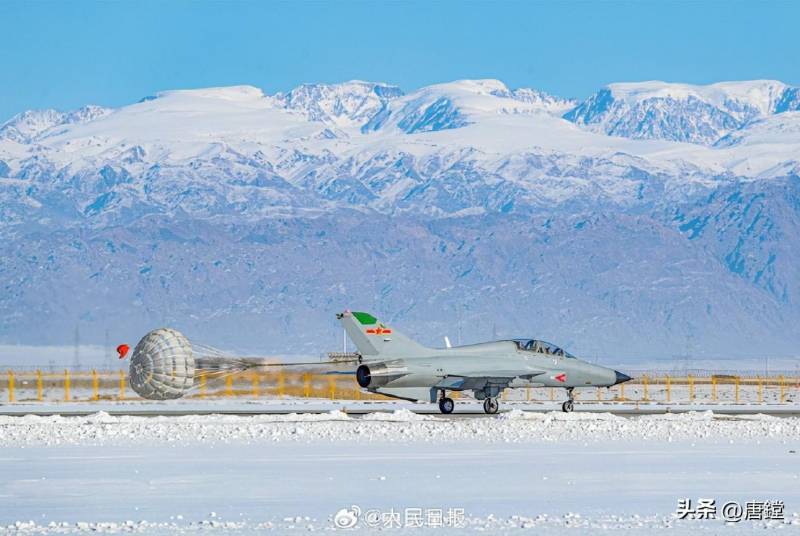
(621, 378)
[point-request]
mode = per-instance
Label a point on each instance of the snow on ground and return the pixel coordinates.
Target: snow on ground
(553, 472)
(401, 426)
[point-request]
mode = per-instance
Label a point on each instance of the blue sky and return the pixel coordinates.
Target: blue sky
(64, 54)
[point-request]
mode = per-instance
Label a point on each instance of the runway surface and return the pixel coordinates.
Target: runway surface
(465, 410)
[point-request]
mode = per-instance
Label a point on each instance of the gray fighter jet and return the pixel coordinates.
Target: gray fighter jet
(396, 366)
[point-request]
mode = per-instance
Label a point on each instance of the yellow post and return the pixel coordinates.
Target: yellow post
(528, 394)
(66, 385)
(599, 394)
(669, 389)
(306, 384)
(332, 386)
(760, 390)
(202, 384)
(622, 391)
(95, 386)
(552, 394)
(690, 380)
(714, 388)
(357, 390)
(10, 386)
(737, 389)
(228, 385)
(122, 385)
(645, 390)
(783, 389)
(39, 386)
(281, 383)
(256, 390)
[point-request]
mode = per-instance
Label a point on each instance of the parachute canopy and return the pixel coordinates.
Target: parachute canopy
(162, 365)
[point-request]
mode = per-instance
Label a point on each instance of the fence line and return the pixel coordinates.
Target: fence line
(94, 385)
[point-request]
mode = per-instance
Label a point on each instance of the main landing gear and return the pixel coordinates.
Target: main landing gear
(446, 405)
(569, 405)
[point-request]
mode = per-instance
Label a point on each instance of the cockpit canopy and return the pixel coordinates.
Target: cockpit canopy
(542, 347)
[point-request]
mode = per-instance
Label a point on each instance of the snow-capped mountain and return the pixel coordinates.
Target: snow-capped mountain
(447, 106)
(247, 219)
(539, 99)
(349, 104)
(29, 126)
(682, 112)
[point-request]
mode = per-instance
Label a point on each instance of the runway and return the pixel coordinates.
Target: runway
(357, 409)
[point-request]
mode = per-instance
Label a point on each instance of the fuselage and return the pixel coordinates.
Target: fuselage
(475, 364)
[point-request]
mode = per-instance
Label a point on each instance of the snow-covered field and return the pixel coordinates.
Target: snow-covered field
(552, 472)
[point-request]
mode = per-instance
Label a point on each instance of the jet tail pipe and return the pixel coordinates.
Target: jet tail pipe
(363, 376)
(377, 375)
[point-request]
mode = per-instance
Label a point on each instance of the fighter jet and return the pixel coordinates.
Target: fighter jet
(394, 365)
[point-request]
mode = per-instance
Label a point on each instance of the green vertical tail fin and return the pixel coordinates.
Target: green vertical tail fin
(374, 339)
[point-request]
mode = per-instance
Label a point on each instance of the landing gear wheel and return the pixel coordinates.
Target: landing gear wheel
(490, 406)
(567, 406)
(446, 405)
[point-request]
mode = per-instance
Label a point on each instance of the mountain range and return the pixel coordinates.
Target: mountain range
(648, 221)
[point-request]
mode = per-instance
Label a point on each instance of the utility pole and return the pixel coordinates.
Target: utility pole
(458, 316)
(107, 351)
(76, 364)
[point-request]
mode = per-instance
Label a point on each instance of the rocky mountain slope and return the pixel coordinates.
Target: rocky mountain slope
(649, 221)
(681, 112)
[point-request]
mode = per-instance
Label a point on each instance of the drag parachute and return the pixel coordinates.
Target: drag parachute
(162, 365)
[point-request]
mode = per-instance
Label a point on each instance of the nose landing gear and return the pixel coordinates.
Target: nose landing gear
(569, 405)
